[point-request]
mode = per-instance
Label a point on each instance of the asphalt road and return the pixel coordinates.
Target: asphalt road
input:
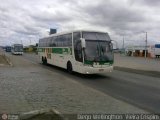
(139, 90)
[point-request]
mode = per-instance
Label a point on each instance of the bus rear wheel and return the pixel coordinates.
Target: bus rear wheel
(44, 60)
(69, 67)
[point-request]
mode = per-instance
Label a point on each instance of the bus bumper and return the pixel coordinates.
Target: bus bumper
(18, 53)
(94, 70)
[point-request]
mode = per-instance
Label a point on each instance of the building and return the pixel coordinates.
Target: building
(139, 51)
(30, 48)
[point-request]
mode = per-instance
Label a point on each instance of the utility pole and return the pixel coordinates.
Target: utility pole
(146, 46)
(123, 42)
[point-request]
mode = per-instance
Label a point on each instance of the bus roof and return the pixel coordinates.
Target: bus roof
(62, 33)
(17, 44)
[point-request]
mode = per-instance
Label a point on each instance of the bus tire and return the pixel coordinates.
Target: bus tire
(69, 67)
(44, 60)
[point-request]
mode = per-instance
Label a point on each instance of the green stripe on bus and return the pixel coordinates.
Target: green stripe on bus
(58, 50)
(40, 49)
(62, 50)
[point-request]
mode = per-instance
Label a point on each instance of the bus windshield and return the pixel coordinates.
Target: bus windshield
(98, 47)
(97, 50)
(18, 48)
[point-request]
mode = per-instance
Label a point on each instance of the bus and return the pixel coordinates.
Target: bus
(17, 49)
(86, 52)
(8, 48)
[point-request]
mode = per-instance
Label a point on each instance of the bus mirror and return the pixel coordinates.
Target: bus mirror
(114, 44)
(83, 43)
(111, 45)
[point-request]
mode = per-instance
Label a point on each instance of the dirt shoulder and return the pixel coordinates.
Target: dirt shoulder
(3, 60)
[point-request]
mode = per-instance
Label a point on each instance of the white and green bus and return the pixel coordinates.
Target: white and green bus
(86, 52)
(17, 49)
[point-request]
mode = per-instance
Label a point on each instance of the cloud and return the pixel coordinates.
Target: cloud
(21, 18)
(114, 16)
(151, 3)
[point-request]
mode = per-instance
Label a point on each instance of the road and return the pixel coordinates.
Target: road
(139, 90)
(28, 86)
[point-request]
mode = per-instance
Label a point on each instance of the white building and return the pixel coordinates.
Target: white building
(140, 51)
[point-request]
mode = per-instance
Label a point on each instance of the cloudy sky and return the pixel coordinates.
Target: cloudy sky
(28, 20)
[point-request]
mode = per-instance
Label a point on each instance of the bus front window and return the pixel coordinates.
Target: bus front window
(18, 48)
(97, 50)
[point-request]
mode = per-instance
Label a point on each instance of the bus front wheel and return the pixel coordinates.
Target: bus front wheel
(69, 67)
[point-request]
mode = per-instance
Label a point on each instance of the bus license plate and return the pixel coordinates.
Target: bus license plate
(101, 70)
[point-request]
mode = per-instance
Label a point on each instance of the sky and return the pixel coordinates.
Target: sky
(25, 21)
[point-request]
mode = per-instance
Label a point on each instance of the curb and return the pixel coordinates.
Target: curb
(8, 61)
(137, 71)
(34, 115)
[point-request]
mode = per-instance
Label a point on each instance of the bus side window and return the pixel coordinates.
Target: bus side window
(78, 51)
(77, 47)
(53, 44)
